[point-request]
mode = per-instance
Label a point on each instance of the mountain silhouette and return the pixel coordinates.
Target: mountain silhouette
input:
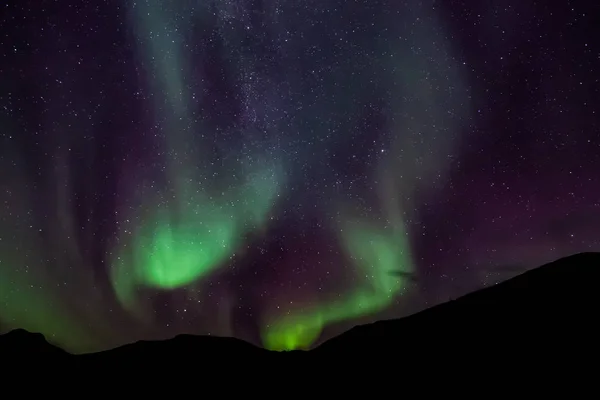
(181, 347)
(544, 314)
(547, 312)
(20, 342)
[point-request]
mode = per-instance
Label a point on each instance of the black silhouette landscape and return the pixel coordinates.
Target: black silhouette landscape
(549, 314)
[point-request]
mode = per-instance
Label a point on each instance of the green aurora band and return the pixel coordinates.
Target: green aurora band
(182, 243)
(416, 163)
(190, 229)
(376, 253)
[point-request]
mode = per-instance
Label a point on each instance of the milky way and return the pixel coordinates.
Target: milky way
(280, 171)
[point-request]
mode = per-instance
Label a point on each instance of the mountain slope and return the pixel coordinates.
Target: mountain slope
(552, 309)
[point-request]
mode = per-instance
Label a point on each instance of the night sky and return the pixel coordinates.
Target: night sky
(281, 170)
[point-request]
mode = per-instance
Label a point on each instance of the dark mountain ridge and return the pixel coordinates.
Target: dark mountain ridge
(547, 312)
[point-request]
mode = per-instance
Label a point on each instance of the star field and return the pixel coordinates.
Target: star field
(280, 171)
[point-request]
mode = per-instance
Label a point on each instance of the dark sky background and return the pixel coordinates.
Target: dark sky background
(280, 171)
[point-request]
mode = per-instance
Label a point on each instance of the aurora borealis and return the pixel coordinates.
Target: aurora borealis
(280, 171)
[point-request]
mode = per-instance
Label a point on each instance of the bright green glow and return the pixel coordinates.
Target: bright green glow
(172, 256)
(293, 332)
(376, 253)
(182, 243)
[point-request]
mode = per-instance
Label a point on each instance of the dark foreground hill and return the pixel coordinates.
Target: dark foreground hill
(22, 343)
(548, 313)
(547, 316)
